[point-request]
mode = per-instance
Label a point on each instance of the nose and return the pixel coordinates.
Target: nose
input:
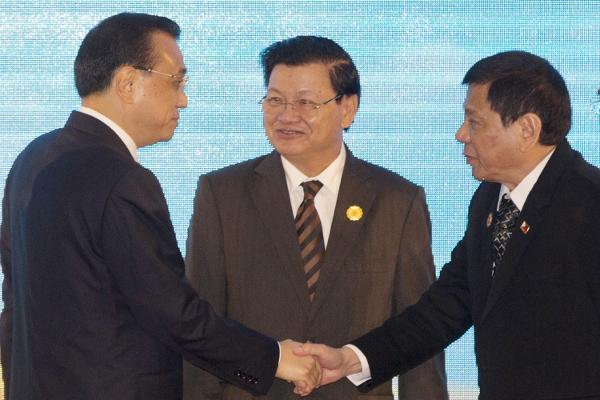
(462, 134)
(182, 100)
(288, 112)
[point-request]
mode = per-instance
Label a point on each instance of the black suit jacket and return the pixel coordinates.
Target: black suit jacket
(96, 303)
(243, 256)
(537, 323)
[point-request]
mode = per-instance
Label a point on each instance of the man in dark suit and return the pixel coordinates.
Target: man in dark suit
(96, 305)
(289, 263)
(526, 274)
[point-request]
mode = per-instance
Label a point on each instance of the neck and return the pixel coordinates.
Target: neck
(311, 169)
(535, 156)
(112, 109)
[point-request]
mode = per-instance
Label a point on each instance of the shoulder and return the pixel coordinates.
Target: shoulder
(585, 173)
(582, 179)
(383, 178)
(235, 173)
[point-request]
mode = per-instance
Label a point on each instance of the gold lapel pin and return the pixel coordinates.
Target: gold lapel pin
(488, 221)
(354, 213)
(525, 227)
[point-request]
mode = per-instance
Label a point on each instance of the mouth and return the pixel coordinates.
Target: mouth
(470, 159)
(289, 133)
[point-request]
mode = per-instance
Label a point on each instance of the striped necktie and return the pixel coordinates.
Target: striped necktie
(310, 236)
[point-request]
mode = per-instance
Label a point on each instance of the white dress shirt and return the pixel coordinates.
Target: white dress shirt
(518, 196)
(125, 138)
(521, 191)
(326, 198)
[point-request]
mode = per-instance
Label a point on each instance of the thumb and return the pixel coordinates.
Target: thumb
(306, 349)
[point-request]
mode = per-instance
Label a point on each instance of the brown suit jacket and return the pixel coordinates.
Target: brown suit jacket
(243, 256)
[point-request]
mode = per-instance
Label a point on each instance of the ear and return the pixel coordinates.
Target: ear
(531, 128)
(124, 82)
(349, 108)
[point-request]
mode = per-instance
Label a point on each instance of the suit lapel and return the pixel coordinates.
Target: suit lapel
(355, 189)
(532, 214)
(482, 242)
(270, 196)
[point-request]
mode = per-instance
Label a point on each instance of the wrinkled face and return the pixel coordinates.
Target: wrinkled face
(309, 139)
(491, 149)
(158, 97)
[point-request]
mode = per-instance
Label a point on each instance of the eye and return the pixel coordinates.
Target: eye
(274, 101)
(306, 104)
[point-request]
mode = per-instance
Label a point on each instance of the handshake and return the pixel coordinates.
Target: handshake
(310, 365)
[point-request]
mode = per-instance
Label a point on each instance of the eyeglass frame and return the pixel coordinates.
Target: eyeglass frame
(182, 81)
(293, 104)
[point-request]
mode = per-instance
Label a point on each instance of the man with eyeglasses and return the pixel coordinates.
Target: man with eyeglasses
(310, 242)
(526, 275)
(96, 304)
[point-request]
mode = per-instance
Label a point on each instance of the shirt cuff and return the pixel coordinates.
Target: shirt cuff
(279, 347)
(365, 373)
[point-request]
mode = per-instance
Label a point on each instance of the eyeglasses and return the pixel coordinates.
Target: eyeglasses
(302, 106)
(595, 103)
(180, 80)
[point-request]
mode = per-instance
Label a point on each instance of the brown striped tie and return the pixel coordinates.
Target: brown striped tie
(310, 236)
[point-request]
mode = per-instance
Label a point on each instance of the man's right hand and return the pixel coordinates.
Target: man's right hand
(336, 363)
(302, 370)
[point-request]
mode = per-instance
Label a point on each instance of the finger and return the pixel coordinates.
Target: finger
(319, 374)
(329, 376)
(308, 348)
(300, 351)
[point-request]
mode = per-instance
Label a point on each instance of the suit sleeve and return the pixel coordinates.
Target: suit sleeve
(6, 316)
(141, 252)
(205, 270)
(441, 316)
(415, 273)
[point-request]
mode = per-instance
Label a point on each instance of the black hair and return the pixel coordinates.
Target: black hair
(122, 39)
(521, 83)
(301, 50)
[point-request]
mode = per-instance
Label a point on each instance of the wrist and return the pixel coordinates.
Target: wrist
(351, 361)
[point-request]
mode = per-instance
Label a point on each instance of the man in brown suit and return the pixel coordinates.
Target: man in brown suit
(310, 242)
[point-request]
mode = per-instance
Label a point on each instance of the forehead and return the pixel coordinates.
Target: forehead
(476, 101)
(306, 77)
(166, 50)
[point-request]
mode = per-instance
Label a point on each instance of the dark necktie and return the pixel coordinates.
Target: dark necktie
(503, 227)
(310, 235)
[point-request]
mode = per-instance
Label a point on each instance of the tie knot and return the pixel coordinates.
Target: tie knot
(506, 205)
(507, 213)
(311, 188)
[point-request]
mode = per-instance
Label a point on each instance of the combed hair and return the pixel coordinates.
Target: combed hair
(301, 50)
(522, 83)
(123, 39)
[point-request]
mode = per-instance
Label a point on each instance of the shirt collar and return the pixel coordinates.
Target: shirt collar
(521, 191)
(125, 138)
(331, 176)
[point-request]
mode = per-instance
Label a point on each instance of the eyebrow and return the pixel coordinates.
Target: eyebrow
(302, 92)
(471, 112)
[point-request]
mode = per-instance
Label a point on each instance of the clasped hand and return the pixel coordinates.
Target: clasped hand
(311, 365)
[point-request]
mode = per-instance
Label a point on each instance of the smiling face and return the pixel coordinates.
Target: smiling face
(492, 150)
(157, 97)
(309, 140)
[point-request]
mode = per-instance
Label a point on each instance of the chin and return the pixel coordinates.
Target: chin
(478, 176)
(167, 136)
